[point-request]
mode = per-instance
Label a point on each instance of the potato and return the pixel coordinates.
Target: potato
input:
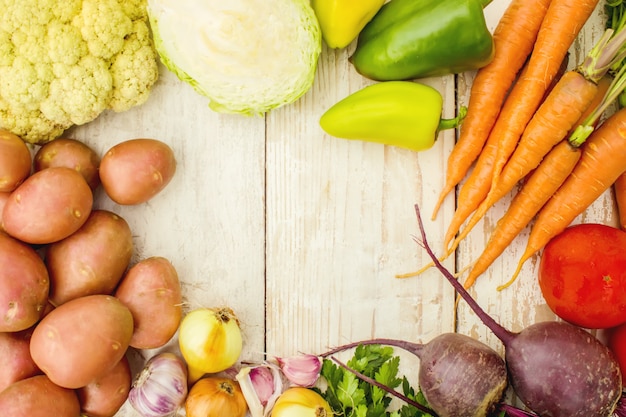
(69, 153)
(151, 290)
(4, 197)
(106, 395)
(24, 285)
(90, 261)
(81, 340)
(15, 360)
(134, 171)
(48, 206)
(15, 161)
(37, 396)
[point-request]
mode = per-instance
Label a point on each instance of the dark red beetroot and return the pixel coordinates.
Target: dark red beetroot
(459, 376)
(555, 368)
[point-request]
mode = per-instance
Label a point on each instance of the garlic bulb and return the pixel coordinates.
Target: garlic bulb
(161, 387)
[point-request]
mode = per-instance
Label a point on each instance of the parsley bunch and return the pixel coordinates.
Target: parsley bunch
(349, 396)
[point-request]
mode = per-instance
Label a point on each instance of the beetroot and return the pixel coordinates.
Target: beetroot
(459, 376)
(555, 368)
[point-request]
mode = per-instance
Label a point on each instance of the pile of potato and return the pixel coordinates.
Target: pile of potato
(71, 304)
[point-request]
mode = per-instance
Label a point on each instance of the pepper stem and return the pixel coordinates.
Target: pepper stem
(454, 122)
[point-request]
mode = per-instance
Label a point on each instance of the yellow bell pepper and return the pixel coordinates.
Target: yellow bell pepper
(341, 21)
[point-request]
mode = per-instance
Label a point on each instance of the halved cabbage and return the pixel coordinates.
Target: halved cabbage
(246, 56)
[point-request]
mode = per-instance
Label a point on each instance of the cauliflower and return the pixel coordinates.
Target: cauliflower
(62, 63)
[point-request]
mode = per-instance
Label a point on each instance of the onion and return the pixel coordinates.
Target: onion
(301, 402)
(216, 397)
(210, 341)
(161, 387)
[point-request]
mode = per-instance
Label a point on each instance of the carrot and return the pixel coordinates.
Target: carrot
(560, 27)
(574, 97)
(514, 37)
(602, 161)
(562, 23)
(619, 190)
(548, 177)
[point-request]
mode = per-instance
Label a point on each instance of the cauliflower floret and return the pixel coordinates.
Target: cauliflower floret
(132, 70)
(64, 63)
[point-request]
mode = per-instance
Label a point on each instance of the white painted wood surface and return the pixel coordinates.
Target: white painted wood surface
(302, 234)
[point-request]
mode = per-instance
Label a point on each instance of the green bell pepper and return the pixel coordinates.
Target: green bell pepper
(405, 114)
(409, 39)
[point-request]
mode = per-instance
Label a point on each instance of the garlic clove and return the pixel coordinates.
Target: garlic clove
(302, 370)
(261, 386)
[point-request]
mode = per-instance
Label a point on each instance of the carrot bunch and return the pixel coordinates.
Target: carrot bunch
(546, 137)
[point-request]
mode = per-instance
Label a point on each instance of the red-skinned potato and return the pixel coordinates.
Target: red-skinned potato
(134, 171)
(15, 161)
(90, 261)
(82, 340)
(48, 206)
(69, 153)
(151, 290)
(4, 197)
(37, 396)
(15, 360)
(24, 285)
(106, 395)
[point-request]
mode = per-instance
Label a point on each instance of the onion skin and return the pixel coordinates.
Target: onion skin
(302, 402)
(210, 341)
(216, 397)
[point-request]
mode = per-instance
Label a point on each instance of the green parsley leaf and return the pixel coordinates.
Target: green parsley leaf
(349, 396)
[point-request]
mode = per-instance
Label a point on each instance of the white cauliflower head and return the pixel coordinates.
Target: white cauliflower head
(62, 63)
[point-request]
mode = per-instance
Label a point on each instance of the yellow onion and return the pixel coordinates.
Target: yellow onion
(301, 402)
(210, 341)
(215, 397)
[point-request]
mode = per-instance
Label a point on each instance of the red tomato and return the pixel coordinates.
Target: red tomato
(582, 275)
(616, 342)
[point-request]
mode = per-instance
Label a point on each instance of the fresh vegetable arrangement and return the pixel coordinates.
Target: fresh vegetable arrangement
(67, 258)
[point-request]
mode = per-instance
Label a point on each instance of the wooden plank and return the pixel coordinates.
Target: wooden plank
(340, 219)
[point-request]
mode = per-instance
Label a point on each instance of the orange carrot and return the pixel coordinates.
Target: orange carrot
(561, 25)
(514, 38)
(548, 177)
(619, 190)
(602, 161)
(575, 97)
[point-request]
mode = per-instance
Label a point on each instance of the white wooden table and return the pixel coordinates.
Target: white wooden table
(302, 234)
